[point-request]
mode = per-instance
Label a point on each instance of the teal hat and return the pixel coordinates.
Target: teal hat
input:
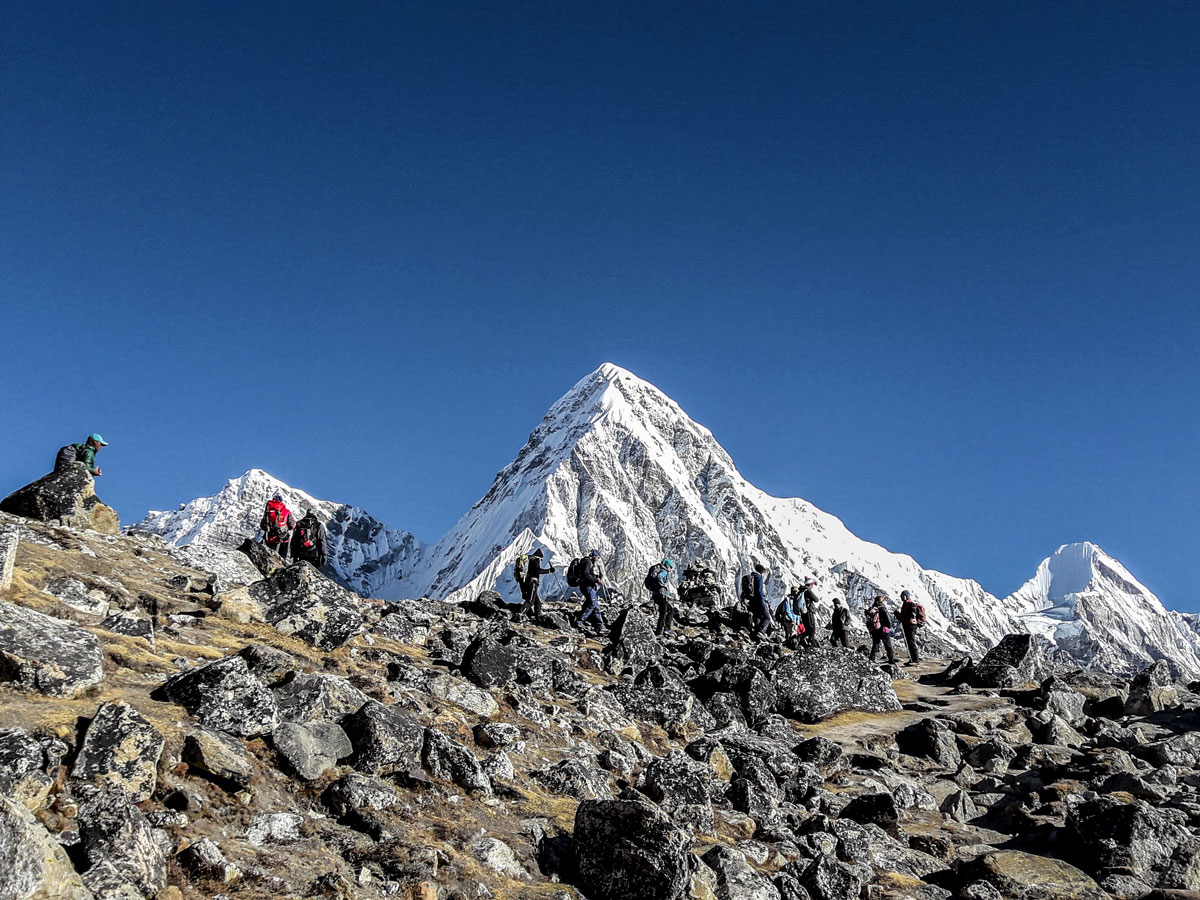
(668, 563)
(96, 439)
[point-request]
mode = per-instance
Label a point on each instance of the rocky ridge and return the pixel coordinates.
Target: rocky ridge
(422, 749)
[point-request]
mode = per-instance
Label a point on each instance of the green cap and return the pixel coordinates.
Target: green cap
(96, 439)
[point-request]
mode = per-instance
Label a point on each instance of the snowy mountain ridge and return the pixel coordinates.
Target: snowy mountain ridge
(618, 466)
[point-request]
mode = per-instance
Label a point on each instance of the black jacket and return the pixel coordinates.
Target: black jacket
(309, 541)
(534, 570)
(841, 619)
(593, 573)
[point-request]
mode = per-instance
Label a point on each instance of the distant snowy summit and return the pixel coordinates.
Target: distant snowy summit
(618, 466)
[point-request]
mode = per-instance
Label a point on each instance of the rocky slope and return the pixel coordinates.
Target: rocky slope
(616, 465)
(164, 735)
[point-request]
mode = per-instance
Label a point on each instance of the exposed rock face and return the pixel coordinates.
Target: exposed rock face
(46, 655)
(314, 697)
(629, 850)
(386, 739)
(116, 837)
(23, 778)
(299, 600)
(632, 641)
(67, 497)
(121, 749)
(224, 695)
(817, 684)
(33, 866)
(9, 538)
(311, 750)
(1013, 662)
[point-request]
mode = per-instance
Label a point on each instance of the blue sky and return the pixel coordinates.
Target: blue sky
(932, 267)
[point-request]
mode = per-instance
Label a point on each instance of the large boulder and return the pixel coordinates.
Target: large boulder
(223, 694)
(311, 750)
(264, 560)
(23, 776)
(316, 697)
(677, 710)
(300, 601)
(1151, 690)
(10, 537)
(33, 866)
(629, 850)
(735, 878)
(220, 758)
(67, 497)
(817, 684)
(490, 663)
(1107, 833)
(119, 844)
(46, 655)
(121, 749)
(447, 759)
(386, 739)
(1014, 661)
(1023, 876)
(632, 643)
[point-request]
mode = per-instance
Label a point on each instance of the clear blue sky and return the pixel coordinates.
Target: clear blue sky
(933, 267)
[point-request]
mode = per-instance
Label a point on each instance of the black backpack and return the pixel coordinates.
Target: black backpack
(66, 456)
(747, 587)
(652, 582)
(575, 572)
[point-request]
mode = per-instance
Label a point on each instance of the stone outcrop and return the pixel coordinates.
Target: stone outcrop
(47, 655)
(67, 497)
(628, 850)
(300, 601)
(1015, 661)
(224, 695)
(120, 749)
(33, 866)
(817, 684)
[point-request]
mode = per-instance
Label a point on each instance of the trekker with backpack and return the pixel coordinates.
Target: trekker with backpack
(277, 524)
(84, 453)
(309, 541)
(658, 583)
(912, 617)
(529, 585)
(807, 612)
(756, 598)
(840, 624)
(879, 624)
(591, 580)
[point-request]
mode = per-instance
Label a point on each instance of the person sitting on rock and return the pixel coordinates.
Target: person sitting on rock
(529, 587)
(591, 582)
(277, 524)
(840, 624)
(879, 624)
(309, 541)
(84, 453)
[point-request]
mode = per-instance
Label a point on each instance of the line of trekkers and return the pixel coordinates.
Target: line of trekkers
(298, 540)
(793, 620)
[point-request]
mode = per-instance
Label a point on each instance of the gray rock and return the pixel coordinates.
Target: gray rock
(311, 750)
(462, 694)
(46, 655)
(386, 739)
(735, 879)
(1151, 690)
(120, 749)
(33, 866)
(75, 594)
(1107, 833)
(115, 834)
(678, 711)
(930, 739)
(498, 765)
(300, 601)
(489, 663)
(817, 684)
(496, 855)
(9, 540)
(224, 695)
(1023, 876)
(315, 697)
(447, 759)
(218, 756)
(679, 785)
(204, 859)
(632, 643)
(23, 776)
(874, 809)
(131, 625)
(354, 791)
(574, 779)
(274, 828)
(67, 497)
(826, 878)
(629, 850)
(1013, 662)
(496, 734)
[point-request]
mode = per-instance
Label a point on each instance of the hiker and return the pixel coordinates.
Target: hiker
(760, 611)
(529, 586)
(912, 617)
(808, 612)
(277, 524)
(787, 617)
(591, 582)
(658, 582)
(84, 453)
(840, 624)
(309, 541)
(879, 624)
